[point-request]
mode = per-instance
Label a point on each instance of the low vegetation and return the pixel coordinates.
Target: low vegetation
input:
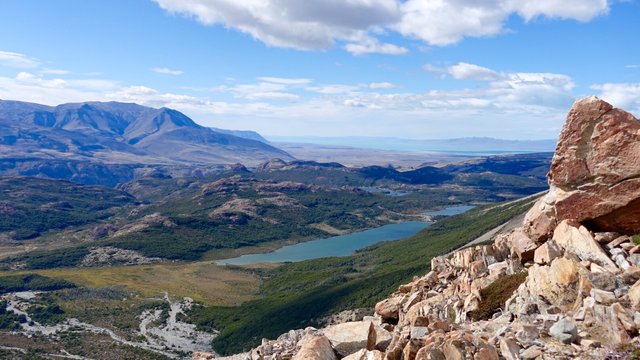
(29, 206)
(295, 295)
(8, 320)
(495, 295)
(31, 282)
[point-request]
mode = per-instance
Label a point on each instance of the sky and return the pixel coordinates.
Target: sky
(419, 69)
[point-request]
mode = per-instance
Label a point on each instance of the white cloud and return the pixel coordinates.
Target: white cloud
(381, 85)
(622, 95)
(546, 89)
(319, 24)
(314, 24)
(167, 71)
(581, 10)
(444, 22)
(506, 104)
(272, 95)
(633, 66)
(465, 71)
(369, 45)
(17, 60)
(285, 81)
(54, 71)
(332, 89)
(270, 88)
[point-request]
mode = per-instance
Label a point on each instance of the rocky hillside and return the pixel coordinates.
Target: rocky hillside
(564, 285)
(120, 133)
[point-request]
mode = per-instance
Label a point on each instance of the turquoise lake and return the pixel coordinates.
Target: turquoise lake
(342, 245)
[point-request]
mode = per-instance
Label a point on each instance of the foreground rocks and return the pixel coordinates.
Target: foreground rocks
(565, 285)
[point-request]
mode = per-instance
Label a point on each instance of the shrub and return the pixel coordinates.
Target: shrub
(495, 295)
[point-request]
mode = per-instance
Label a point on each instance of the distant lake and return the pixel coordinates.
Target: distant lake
(342, 245)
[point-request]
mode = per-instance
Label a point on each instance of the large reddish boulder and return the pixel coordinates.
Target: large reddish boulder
(595, 172)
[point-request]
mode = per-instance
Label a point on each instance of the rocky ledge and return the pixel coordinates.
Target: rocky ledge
(564, 285)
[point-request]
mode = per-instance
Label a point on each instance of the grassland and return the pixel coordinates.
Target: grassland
(203, 281)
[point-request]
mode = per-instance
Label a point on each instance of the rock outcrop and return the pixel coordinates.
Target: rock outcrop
(565, 285)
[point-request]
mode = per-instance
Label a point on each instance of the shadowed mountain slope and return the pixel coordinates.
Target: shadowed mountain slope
(120, 133)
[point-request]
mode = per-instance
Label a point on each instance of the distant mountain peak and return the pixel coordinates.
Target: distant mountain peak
(123, 133)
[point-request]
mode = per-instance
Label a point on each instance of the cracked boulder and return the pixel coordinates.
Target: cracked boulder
(594, 176)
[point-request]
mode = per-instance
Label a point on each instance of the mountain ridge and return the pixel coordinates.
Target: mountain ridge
(118, 132)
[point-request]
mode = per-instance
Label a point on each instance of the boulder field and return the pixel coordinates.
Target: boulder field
(564, 285)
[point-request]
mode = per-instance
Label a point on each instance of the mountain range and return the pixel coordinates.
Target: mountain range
(121, 133)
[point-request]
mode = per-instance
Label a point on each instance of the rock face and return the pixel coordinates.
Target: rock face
(315, 347)
(595, 176)
(565, 285)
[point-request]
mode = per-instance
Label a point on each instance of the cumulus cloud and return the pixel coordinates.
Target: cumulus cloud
(319, 24)
(314, 24)
(507, 104)
(623, 95)
(167, 71)
(546, 89)
(17, 60)
(369, 45)
(443, 22)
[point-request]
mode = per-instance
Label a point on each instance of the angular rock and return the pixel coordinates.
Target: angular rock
(365, 354)
(540, 220)
(388, 308)
(602, 296)
(603, 280)
(522, 245)
(579, 241)
(605, 237)
(590, 343)
(454, 350)
(347, 338)
(429, 354)
(316, 348)
(546, 253)
(634, 295)
(564, 330)
(557, 283)
(418, 332)
(596, 164)
(531, 353)
(411, 349)
(383, 338)
(618, 241)
(486, 353)
(497, 269)
(509, 348)
(527, 334)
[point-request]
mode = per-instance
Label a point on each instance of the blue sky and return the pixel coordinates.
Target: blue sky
(410, 68)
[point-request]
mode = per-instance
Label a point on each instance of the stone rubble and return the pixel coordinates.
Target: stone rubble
(575, 267)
